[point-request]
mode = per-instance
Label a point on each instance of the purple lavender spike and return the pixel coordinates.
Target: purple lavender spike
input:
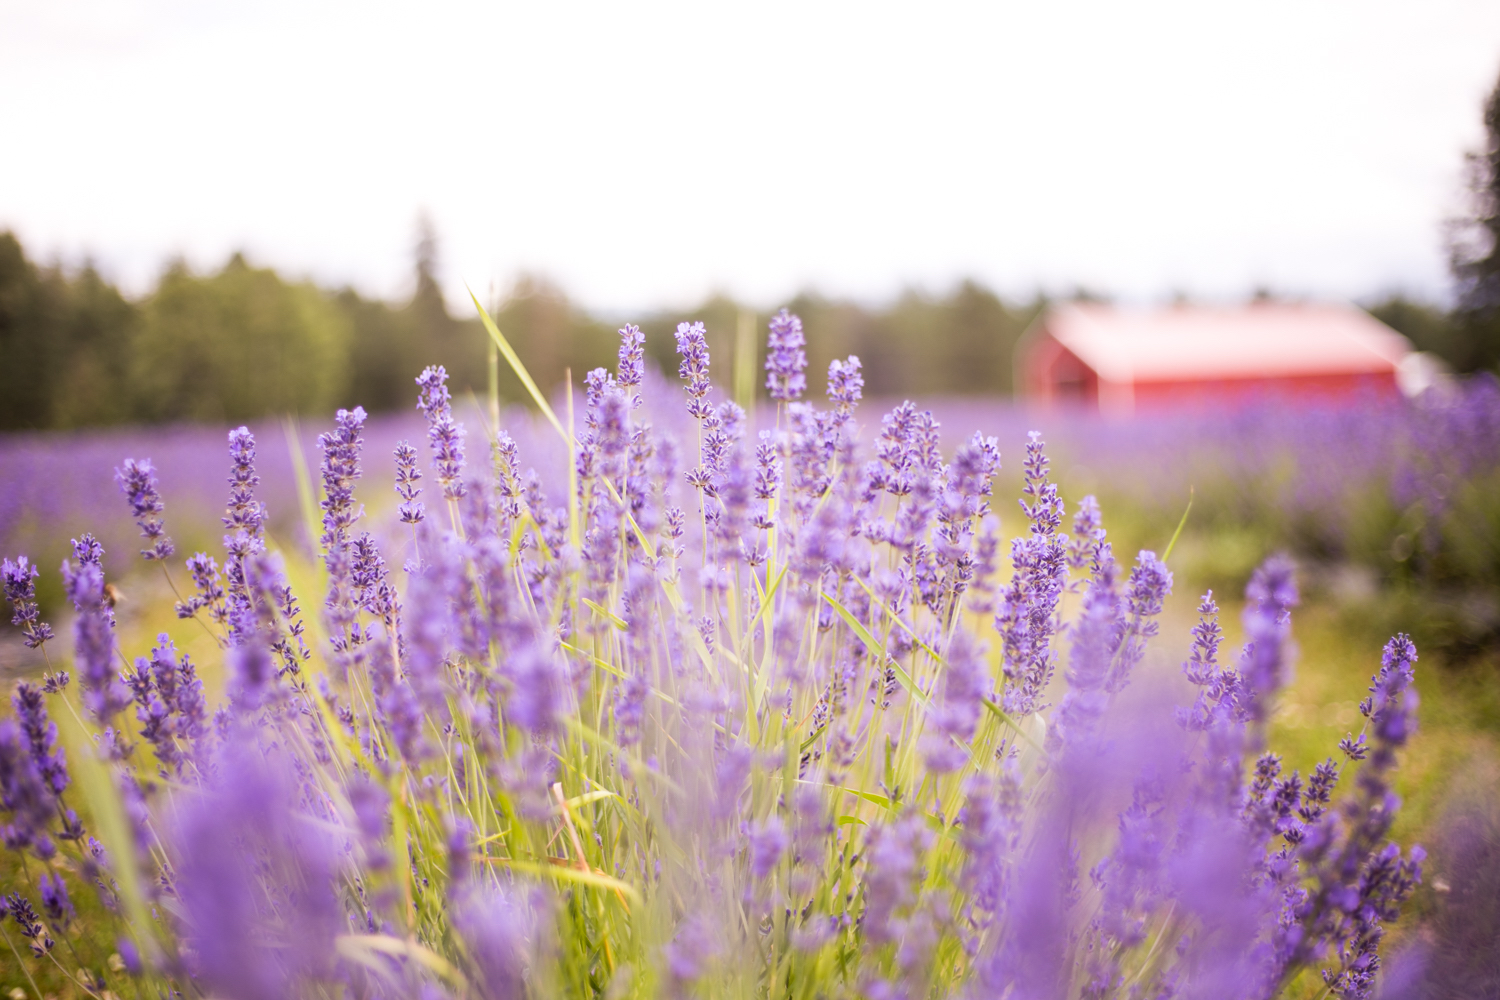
(137, 481)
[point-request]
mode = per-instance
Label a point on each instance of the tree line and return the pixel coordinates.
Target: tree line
(244, 342)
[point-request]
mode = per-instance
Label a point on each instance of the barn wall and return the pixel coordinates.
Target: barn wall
(1307, 388)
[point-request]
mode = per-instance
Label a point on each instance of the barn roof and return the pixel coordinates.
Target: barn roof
(1197, 342)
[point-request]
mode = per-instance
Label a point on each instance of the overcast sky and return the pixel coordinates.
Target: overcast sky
(644, 154)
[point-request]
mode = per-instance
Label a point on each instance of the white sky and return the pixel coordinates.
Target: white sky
(645, 154)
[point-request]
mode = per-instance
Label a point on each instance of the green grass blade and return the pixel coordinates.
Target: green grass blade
(1180, 525)
(514, 361)
(307, 497)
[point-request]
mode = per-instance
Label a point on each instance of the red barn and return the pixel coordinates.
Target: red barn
(1123, 360)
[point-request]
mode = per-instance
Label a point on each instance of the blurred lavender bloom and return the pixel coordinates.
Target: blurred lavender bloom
(1266, 660)
(251, 670)
(137, 481)
(768, 841)
(966, 683)
(55, 901)
(24, 794)
(991, 823)
(41, 737)
(399, 705)
(694, 946)
(630, 704)
(786, 358)
(891, 869)
(255, 882)
(1088, 532)
(1095, 635)
(536, 695)
(20, 590)
(130, 956)
(444, 435)
(500, 931)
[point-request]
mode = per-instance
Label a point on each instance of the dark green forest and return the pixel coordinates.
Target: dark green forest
(245, 342)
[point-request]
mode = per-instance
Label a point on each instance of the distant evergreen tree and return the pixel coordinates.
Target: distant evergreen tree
(1475, 254)
(64, 342)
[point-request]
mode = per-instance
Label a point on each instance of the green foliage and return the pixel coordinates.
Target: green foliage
(244, 343)
(62, 343)
(237, 345)
(1426, 326)
(962, 344)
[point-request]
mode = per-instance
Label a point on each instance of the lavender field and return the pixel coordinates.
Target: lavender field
(635, 693)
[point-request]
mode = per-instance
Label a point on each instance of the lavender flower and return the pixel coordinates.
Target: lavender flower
(244, 512)
(785, 358)
(768, 842)
(20, 589)
(255, 882)
(41, 737)
(1150, 583)
(31, 924)
(407, 475)
(1265, 662)
(88, 551)
(137, 481)
(966, 683)
(632, 367)
(208, 591)
(991, 825)
(693, 347)
(630, 704)
(244, 517)
(170, 704)
(845, 383)
(891, 868)
(444, 435)
(340, 469)
(251, 672)
(1027, 607)
(93, 642)
(497, 928)
(24, 794)
(55, 901)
